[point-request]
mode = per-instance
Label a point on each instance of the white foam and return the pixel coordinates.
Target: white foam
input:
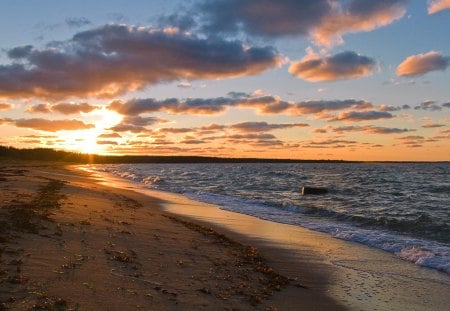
(421, 252)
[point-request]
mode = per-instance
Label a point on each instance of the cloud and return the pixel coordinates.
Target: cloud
(263, 126)
(175, 130)
(429, 105)
(63, 108)
(357, 16)
(266, 104)
(70, 108)
(6, 106)
(435, 6)
(446, 105)
(319, 106)
(329, 143)
(106, 142)
(136, 124)
(53, 125)
(264, 17)
(254, 139)
(172, 105)
(370, 129)
(393, 108)
(128, 128)
(433, 125)
(184, 85)
(40, 108)
(109, 135)
(325, 21)
(344, 65)
(319, 131)
(357, 116)
(77, 22)
(114, 59)
(420, 64)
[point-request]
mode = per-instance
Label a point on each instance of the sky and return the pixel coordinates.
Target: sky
(294, 79)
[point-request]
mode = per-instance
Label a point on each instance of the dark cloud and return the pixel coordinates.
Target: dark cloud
(329, 143)
(192, 141)
(172, 105)
(263, 126)
(39, 108)
(319, 106)
(194, 105)
(77, 22)
(370, 129)
(325, 21)
(106, 142)
(427, 126)
(254, 139)
(20, 52)
(53, 125)
(344, 65)
(211, 128)
(266, 104)
(394, 108)
(128, 128)
(109, 135)
(420, 64)
(70, 108)
(320, 131)
(429, 105)
(446, 105)
(114, 59)
(357, 116)
(63, 108)
(141, 121)
(264, 17)
(176, 130)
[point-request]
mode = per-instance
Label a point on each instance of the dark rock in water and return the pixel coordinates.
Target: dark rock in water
(314, 190)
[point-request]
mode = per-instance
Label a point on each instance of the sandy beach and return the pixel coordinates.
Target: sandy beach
(70, 243)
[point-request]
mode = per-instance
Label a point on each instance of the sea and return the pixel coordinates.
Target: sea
(401, 208)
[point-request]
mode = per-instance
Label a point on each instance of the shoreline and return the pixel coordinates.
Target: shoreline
(356, 275)
(124, 247)
(86, 246)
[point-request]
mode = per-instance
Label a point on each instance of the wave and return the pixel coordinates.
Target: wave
(348, 213)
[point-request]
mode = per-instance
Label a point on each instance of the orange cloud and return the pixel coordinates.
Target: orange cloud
(53, 125)
(64, 108)
(109, 135)
(115, 59)
(6, 106)
(358, 16)
(420, 64)
(435, 6)
(325, 21)
(344, 65)
(263, 126)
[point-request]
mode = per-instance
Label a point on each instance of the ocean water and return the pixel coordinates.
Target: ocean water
(402, 208)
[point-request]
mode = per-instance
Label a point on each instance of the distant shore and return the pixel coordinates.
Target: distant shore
(52, 155)
(70, 243)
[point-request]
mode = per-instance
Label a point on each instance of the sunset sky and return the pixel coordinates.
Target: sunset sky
(300, 79)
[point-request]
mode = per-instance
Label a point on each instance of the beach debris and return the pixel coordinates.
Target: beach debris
(314, 190)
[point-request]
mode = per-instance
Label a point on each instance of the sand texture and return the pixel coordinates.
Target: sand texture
(70, 243)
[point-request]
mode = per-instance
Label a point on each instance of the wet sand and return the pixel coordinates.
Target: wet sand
(70, 242)
(353, 275)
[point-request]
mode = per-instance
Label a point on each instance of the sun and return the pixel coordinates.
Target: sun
(85, 141)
